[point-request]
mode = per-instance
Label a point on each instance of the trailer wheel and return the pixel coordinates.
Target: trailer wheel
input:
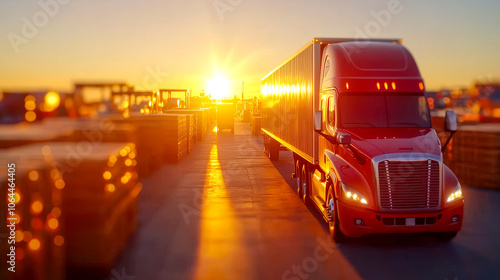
(333, 217)
(297, 176)
(304, 186)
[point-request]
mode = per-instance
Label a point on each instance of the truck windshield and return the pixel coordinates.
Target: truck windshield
(362, 110)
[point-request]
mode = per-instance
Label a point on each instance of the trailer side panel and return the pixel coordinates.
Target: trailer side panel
(288, 95)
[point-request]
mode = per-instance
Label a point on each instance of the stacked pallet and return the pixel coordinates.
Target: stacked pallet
(256, 123)
(93, 130)
(37, 210)
(476, 155)
(192, 132)
(22, 134)
(99, 197)
(202, 119)
(65, 129)
(160, 138)
(176, 130)
(210, 117)
(190, 128)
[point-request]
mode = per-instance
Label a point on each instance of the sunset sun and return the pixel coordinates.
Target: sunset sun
(218, 88)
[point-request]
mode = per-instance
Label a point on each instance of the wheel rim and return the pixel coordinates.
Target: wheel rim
(297, 173)
(331, 213)
(304, 185)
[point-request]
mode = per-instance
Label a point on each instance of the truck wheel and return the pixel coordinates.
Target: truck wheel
(333, 217)
(297, 176)
(304, 184)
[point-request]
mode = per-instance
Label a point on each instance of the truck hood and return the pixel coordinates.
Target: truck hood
(375, 142)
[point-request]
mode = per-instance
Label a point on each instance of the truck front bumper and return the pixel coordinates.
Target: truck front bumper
(356, 221)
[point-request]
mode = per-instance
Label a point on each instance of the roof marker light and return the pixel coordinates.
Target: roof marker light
(386, 86)
(421, 86)
(347, 85)
(378, 85)
(393, 85)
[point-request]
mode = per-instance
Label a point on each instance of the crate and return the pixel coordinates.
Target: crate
(39, 208)
(481, 176)
(23, 134)
(476, 155)
(160, 139)
(480, 136)
(190, 128)
(256, 124)
(202, 120)
(96, 184)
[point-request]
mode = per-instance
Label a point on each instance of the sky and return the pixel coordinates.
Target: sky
(155, 44)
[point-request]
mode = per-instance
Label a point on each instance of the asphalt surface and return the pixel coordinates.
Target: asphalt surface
(227, 212)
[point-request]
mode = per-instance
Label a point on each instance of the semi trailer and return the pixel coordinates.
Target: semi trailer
(354, 114)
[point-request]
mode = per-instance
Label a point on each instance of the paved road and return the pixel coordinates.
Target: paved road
(227, 212)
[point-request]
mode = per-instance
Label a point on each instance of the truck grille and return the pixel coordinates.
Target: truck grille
(408, 185)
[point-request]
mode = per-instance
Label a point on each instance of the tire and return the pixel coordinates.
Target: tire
(304, 180)
(297, 176)
(333, 218)
(446, 236)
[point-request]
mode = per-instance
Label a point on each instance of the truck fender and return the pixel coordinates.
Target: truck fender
(342, 171)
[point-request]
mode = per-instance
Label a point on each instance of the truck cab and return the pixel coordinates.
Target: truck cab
(380, 167)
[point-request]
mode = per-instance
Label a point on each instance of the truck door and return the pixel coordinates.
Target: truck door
(329, 117)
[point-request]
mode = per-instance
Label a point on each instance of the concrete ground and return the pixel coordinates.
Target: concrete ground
(227, 212)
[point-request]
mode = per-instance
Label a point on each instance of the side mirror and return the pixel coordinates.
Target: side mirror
(344, 139)
(318, 121)
(450, 125)
(450, 119)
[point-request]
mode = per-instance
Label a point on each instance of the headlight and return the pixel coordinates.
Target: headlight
(352, 195)
(455, 194)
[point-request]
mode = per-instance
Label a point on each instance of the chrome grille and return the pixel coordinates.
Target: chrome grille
(407, 185)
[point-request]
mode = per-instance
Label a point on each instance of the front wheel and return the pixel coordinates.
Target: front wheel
(333, 218)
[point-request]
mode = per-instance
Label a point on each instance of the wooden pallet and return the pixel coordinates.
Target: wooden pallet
(476, 155)
(202, 119)
(24, 134)
(91, 200)
(160, 138)
(35, 188)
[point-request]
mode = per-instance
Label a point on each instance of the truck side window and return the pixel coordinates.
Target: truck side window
(331, 111)
(327, 67)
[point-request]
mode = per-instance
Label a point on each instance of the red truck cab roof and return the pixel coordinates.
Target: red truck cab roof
(370, 66)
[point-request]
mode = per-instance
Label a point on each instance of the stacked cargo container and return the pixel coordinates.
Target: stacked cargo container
(40, 238)
(476, 155)
(97, 191)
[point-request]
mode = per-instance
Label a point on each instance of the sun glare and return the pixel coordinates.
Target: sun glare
(218, 88)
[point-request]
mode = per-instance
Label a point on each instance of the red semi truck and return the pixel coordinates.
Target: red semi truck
(354, 114)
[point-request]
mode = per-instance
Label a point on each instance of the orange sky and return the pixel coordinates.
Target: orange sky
(182, 44)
